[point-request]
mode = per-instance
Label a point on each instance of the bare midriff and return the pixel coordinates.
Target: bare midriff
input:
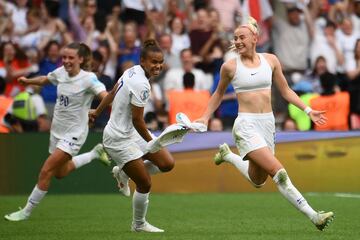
(257, 101)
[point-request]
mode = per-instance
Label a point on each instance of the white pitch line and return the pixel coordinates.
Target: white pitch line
(343, 195)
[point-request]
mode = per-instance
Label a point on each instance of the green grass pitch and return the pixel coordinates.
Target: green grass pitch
(183, 216)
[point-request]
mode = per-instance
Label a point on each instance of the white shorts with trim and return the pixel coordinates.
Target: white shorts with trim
(70, 145)
(252, 131)
(122, 150)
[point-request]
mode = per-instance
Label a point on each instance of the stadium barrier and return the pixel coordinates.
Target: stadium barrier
(315, 161)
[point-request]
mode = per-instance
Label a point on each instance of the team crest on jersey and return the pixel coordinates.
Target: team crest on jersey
(145, 95)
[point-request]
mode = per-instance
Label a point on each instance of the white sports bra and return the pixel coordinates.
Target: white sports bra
(249, 79)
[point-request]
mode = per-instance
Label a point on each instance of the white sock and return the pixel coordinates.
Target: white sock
(288, 190)
(239, 163)
(140, 205)
(151, 168)
(34, 199)
(85, 158)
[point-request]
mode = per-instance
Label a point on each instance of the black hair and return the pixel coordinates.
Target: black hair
(96, 55)
(83, 51)
(189, 80)
(49, 44)
(149, 45)
(328, 82)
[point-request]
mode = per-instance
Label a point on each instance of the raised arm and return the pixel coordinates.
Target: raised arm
(316, 116)
(226, 74)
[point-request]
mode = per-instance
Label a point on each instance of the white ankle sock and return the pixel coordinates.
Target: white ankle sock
(288, 190)
(239, 163)
(151, 168)
(140, 205)
(85, 158)
(34, 199)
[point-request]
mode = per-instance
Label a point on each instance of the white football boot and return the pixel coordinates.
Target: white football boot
(17, 216)
(122, 180)
(145, 227)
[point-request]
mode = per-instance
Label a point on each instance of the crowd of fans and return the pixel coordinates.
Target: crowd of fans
(316, 41)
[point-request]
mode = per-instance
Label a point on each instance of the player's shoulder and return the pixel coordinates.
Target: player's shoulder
(229, 66)
(271, 58)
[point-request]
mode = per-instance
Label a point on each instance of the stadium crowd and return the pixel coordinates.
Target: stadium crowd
(316, 41)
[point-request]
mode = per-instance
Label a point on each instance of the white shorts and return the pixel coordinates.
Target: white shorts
(252, 131)
(70, 145)
(123, 150)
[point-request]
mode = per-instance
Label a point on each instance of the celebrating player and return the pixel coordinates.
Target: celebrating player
(251, 75)
(76, 88)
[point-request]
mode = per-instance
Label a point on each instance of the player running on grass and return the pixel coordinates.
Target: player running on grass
(76, 88)
(126, 137)
(251, 75)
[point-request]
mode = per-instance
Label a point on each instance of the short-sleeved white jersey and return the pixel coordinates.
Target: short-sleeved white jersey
(74, 97)
(134, 89)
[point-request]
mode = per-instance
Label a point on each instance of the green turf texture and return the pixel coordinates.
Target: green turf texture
(245, 216)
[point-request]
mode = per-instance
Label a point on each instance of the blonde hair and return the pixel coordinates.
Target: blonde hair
(250, 24)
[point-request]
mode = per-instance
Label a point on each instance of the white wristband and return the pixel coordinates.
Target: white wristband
(307, 110)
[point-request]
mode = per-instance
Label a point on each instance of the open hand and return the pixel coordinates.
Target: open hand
(318, 117)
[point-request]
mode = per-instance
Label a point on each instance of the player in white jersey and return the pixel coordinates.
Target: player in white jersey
(126, 136)
(251, 74)
(75, 91)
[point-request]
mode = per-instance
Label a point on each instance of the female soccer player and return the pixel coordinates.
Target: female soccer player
(251, 75)
(126, 136)
(76, 88)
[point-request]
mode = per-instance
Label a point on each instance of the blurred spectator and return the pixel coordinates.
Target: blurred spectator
(17, 11)
(347, 38)
(96, 64)
(180, 38)
(215, 125)
(204, 36)
(313, 77)
(326, 45)
(29, 110)
(151, 121)
(291, 39)
(172, 60)
(189, 101)
(129, 49)
(229, 11)
(228, 109)
(335, 104)
(13, 64)
(304, 90)
(173, 80)
(260, 10)
(5, 105)
(49, 63)
(289, 125)
(354, 75)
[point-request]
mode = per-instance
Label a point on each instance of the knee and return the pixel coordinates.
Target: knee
(45, 174)
(281, 177)
(144, 185)
(167, 166)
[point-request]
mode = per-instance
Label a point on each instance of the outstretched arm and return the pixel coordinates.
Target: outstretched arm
(316, 116)
(226, 74)
(39, 81)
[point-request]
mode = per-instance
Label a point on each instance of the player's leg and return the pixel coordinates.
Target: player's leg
(80, 160)
(57, 159)
(137, 172)
(161, 161)
(265, 159)
(226, 155)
